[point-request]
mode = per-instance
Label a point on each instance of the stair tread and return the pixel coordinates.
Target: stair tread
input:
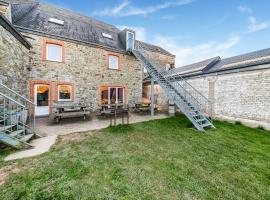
(15, 133)
(175, 92)
(3, 128)
(201, 120)
(28, 137)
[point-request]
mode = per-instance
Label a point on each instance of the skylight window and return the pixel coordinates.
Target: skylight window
(56, 21)
(107, 35)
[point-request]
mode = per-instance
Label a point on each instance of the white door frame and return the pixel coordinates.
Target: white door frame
(41, 110)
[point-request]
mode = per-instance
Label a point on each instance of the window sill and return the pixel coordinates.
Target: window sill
(114, 69)
(66, 100)
(53, 61)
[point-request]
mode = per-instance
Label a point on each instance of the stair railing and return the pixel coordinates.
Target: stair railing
(13, 113)
(191, 94)
(30, 121)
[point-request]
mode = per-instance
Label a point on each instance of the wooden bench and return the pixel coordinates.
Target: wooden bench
(69, 111)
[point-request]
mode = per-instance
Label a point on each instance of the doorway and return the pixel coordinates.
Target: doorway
(42, 100)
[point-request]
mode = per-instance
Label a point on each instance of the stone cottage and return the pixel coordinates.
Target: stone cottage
(70, 57)
(52, 55)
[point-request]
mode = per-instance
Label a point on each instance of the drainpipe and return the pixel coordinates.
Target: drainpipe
(152, 97)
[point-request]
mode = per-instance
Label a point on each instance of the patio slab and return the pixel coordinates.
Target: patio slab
(72, 125)
(41, 146)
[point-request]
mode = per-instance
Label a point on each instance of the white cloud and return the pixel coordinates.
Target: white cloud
(255, 26)
(140, 31)
(190, 54)
(126, 9)
(113, 11)
(244, 9)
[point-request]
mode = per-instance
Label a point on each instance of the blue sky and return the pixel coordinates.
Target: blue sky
(191, 29)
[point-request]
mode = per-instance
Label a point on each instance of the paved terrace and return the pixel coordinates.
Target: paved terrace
(72, 125)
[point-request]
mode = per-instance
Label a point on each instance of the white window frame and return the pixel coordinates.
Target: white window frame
(127, 39)
(117, 68)
(71, 91)
(47, 52)
(109, 94)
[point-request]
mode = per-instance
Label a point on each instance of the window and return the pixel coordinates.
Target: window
(113, 62)
(54, 52)
(56, 21)
(64, 93)
(130, 40)
(112, 95)
(107, 35)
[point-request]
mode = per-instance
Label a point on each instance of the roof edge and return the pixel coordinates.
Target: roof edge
(4, 3)
(5, 23)
(40, 33)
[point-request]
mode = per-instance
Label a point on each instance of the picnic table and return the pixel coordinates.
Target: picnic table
(143, 107)
(114, 111)
(61, 111)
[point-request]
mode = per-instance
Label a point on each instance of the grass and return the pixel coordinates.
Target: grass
(161, 159)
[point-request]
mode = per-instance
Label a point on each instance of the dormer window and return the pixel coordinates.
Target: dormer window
(107, 35)
(130, 40)
(56, 21)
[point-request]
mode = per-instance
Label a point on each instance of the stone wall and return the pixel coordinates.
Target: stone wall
(13, 62)
(85, 67)
(243, 96)
(5, 10)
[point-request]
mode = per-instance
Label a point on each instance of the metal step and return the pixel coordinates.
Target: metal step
(27, 137)
(201, 120)
(16, 133)
(180, 94)
(10, 141)
(4, 128)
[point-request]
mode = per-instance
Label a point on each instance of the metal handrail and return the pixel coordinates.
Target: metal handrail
(139, 46)
(29, 104)
(182, 79)
(185, 96)
(24, 98)
(7, 97)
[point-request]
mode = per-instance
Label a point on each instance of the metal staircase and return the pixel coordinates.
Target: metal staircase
(17, 119)
(190, 101)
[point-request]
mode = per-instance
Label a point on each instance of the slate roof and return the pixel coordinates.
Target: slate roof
(217, 64)
(198, 67)
(34, 16)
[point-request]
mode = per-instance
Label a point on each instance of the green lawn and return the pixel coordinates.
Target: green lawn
(161, 159)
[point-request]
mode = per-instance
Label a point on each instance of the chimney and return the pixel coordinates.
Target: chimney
(5, 9)
(127, 37)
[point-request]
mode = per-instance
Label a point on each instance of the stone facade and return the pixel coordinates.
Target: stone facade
(242, 96)
(5, 10)
(14, 62)
(86, 68)
(161, 59)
